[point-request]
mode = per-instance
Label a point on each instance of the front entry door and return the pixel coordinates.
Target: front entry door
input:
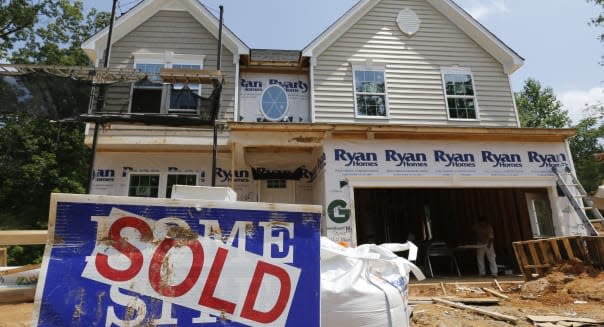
(278, 191)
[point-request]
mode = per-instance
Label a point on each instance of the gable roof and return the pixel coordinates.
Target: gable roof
(510, 60)
(146, 9)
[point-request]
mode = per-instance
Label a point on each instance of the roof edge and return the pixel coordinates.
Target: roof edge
(509, 59)
(146, 9)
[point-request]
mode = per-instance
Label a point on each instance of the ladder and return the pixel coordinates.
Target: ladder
(577, 197)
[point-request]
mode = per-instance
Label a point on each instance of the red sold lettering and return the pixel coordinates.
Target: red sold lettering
(155, 270)
(124, 247)
(248, 311)
(207, 295)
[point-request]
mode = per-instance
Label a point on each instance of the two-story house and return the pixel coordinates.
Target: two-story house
(399, 119)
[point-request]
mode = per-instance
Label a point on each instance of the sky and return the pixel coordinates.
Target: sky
(561, 50)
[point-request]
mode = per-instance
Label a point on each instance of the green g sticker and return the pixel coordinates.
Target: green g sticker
(338, 212)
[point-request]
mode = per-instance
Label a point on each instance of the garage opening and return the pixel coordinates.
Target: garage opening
(447, 215)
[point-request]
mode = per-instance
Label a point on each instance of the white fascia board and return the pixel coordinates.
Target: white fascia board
(142, 12)
(338, 28)
(483, 37)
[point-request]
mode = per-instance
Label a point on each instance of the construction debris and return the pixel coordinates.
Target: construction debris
(488, 313)
(551, 321)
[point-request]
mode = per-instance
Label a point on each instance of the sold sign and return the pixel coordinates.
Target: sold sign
(165, 259)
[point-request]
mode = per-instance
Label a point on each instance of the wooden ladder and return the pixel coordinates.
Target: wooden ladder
(577, 197)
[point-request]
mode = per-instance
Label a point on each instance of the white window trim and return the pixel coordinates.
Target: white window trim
(369, 66)
(464, 71)
(167, 58)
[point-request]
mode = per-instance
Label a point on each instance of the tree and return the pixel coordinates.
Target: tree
(539, 108)
(52, 30)
(585, 145)
(40, 152)
(598, 20)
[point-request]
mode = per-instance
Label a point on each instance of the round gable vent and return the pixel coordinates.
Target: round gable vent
(407, 21)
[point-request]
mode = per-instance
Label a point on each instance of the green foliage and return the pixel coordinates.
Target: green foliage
(17, 17)
(37, 157)
(539, 108)
(57, 41)
(23, 255)
(39, 154)
(598, 20)
(585, 145)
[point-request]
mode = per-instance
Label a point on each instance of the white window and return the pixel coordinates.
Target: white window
(179, 179)
(147, 94)
(158, 184)
(154, 96)
(460, 95)
(142, 185)
(540, 213)
(370, 92)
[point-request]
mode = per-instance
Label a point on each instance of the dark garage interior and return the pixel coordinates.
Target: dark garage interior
(444, 215)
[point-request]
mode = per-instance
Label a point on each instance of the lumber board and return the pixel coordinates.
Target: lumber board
(19, 269)
(497, 294)
(17, 294)
(494, 315)
(556, 250)
(3, 257)
(23, 237)
(568, 247)
(468, 300)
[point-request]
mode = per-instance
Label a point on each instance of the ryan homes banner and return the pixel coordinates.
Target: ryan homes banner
(119, 261)
(425, 158)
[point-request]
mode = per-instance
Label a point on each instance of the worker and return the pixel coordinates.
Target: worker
(485, 237)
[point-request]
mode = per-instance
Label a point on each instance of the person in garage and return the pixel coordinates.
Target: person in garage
(485, 237)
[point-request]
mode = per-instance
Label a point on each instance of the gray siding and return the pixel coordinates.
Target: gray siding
(179, 32)
(413, 75)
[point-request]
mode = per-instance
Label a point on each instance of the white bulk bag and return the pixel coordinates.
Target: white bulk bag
(365, 286)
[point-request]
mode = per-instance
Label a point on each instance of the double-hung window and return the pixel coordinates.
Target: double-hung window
(155, 185)
(147, 94)
(153, 96)
(179, 179)
(184, 97)
(460, 94)
(370, 92)
(143, 185)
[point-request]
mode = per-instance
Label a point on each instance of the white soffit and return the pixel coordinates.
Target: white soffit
(125, 24)
(509, 59)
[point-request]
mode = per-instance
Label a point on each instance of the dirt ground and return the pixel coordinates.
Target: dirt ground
(571, 290)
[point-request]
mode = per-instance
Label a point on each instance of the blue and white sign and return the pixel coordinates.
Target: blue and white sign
(119, 261)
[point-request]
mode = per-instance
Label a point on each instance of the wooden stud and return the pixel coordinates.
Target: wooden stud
(3, 257)
(442, 287)
(556, 250)
(23, 237)
(535, 258)
(497, 294)
(521, 258)
(495, 315)
(498, 286)
(546, 252)
(20, 269)
(568, 247)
